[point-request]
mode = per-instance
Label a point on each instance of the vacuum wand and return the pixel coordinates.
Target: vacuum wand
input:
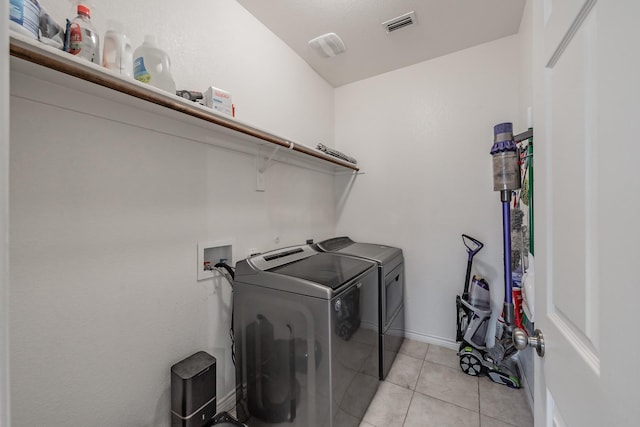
(506, 179)
(508, 280)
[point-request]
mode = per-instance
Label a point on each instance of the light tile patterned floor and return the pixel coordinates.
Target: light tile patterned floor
(426, 388)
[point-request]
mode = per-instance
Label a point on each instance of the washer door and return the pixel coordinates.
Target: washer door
(393, 295)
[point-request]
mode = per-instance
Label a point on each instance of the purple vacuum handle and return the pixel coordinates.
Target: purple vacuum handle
(472, 251)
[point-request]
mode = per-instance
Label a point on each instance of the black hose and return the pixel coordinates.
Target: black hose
(231, 331)
(226, 267)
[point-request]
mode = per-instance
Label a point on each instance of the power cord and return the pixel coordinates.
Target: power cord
(228, 272)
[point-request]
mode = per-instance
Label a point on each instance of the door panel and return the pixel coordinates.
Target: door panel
(571, 143)
(586, 91)
(558, 17)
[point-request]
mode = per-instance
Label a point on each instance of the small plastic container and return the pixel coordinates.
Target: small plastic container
(24, 17)
(152, 65)
(479, 295)
(117, 52)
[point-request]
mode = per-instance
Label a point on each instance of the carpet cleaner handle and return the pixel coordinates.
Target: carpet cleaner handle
(473, 245)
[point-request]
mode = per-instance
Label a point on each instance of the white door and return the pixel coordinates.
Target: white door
(587, 157)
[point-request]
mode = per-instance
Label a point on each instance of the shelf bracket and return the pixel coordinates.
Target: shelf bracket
(268, 162)
(347, 189)
(264, 163)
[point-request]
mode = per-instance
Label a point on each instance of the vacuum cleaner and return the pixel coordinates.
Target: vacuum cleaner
(474, 305)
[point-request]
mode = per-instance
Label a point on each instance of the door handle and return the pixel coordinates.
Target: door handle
(521, 340)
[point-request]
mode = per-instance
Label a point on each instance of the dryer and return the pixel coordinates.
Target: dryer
(390, 265)
(306, 338)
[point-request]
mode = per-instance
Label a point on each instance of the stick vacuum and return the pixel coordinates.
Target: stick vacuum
(506, 179)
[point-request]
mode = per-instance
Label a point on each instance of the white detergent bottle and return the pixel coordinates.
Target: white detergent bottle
(152, 65)
(117, 52)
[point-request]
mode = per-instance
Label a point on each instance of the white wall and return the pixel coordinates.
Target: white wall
(105, 217)
(423, 135)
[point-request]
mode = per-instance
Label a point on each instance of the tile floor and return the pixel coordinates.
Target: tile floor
(426, 388)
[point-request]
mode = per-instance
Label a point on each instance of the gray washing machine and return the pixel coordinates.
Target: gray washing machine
(390, 266)
(306, 338)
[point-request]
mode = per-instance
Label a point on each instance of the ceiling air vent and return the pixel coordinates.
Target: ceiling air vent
(399, 22)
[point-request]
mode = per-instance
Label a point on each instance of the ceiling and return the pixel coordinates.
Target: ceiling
(442, 27)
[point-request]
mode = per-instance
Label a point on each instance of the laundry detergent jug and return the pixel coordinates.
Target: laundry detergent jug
(152, 65)
(117, 54)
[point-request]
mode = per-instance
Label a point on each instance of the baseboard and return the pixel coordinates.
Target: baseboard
(429, 339)
(525, 385)
(228, 402)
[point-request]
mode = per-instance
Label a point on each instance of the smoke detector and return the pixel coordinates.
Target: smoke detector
(328, 45)
(400, 22)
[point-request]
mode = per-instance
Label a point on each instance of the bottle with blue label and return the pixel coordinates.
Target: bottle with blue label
(24, 17)
(152, 65)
